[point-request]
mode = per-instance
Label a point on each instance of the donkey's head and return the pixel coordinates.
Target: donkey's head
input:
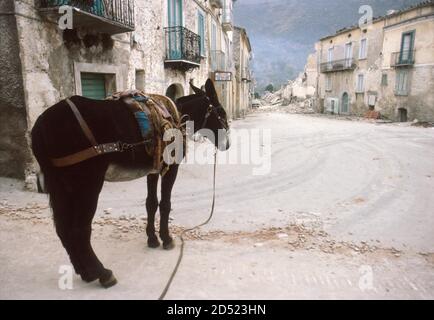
(207, 113)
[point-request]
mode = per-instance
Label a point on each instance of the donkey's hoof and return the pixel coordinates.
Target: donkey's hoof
(108, 280)
(169, 245)
(153, 243)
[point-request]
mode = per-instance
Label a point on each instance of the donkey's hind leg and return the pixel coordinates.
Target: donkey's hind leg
(74, 197)
(151, 208)
(167, 184)
(63, 220)
(85, 204)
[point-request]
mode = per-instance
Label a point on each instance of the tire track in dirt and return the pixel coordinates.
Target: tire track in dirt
(283, 179)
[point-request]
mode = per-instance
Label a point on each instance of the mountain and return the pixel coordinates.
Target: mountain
(283, 32)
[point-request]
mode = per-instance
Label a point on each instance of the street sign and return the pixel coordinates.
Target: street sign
(223, 76)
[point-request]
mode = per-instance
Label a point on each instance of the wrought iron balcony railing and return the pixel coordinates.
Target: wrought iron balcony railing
(182, 48)
(403, 58)
(338, 65)
(107, 16)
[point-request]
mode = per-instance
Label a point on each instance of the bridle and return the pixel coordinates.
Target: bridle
(214, 110)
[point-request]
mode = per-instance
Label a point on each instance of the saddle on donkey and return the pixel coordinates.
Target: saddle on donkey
(155, 114)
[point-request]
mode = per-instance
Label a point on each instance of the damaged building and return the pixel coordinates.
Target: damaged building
(384, 68)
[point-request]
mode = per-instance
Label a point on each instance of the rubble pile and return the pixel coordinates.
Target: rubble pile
(294, 237)
(299, 107)
(272, 98)
(373, 115)
(423, 124)
(33, 212)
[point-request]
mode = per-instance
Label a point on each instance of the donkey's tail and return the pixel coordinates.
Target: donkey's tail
(49, 181)
(47, 177)
(41, 155)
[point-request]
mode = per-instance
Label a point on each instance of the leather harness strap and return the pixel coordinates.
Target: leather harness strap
(83, 124)
(89, 153)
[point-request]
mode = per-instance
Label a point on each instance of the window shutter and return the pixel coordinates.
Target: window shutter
(93, 86)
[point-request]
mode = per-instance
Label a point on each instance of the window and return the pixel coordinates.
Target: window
(348, 54)
(140, 80)
(360, 83)
(201, 31)
(328, 83)
(213, 37)
(363, 53)
(384, 80)
(175, 13)
(94, 86)
(407, 47)
(330, 55)
(401, 87)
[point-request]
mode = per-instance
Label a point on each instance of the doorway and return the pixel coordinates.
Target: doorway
(402, 115)
(345, 103)
(175, 91)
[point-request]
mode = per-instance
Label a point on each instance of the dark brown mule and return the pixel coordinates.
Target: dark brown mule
(74, 190)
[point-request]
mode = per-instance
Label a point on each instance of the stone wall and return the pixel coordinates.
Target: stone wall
(14, 146)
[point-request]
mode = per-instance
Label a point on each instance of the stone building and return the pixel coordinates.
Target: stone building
(222, 55)
(158, 46)
(304, 86)
(243, 72)
(387, 66)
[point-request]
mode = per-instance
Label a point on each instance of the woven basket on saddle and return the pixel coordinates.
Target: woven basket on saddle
(154, 114)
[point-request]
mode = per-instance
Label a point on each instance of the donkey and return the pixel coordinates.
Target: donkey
(74, 189)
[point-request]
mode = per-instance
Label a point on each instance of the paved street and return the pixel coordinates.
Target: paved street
(346, 212)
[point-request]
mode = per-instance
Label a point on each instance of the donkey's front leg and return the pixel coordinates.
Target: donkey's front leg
(151, 208)
(166, 206)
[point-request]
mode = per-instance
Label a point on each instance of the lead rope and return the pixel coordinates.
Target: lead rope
(181, 252)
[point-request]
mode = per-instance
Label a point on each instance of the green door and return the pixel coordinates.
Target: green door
(93, 86)
(345, 103)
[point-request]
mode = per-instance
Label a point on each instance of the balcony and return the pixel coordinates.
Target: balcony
(104, 16)
(246, 75)
(182, 49)
(403, 59)
(338, 65)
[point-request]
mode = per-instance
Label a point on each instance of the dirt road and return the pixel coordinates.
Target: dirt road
(346, 212)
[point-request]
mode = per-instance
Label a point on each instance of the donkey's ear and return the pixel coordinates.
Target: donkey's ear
(211, 91)
(196, 89)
